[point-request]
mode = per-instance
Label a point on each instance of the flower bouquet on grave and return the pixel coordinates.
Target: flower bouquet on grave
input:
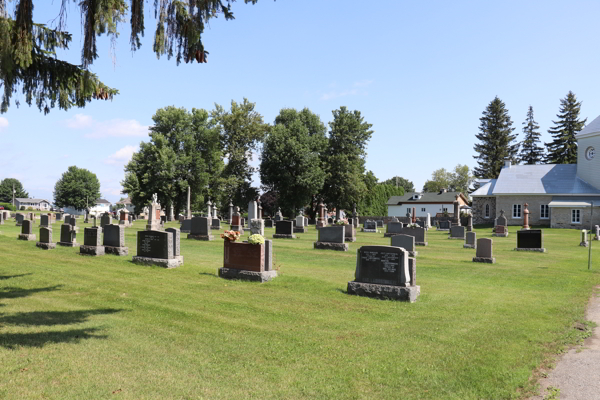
(412, 225)
(256, 239)
(231, 236)
(342, 221)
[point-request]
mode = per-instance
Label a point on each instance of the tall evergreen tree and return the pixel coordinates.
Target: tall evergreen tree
(531, 152)
(563, 149)
(497, 143)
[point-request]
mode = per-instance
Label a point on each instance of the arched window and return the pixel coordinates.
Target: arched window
(487, 210)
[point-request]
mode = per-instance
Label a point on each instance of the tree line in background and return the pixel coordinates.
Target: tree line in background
(497, 143)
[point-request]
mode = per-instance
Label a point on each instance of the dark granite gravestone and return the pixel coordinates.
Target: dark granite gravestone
(530, 240)
(248, 262)
(175, 242)
(92, 242)
(26, 231)
(407, 242)
(420, 234)
(215, 224)
(484, 251)
(155, 248)
(104, 220)
(19, 218)
(114, 240)
(501, 220)
(284, 230)
(369, 226)
(470, 241)
(350, 233)
(68, 235)
(379, 223)
(72, 221)
(444, 226)
(163, 219)
(384, 272)
(500, 231)
(457, 232)
(186, 226)
(268, 223)
(45, 220)
(46, 239)
(421, 223)
(332, 238)
(393, 228)
(200, 229)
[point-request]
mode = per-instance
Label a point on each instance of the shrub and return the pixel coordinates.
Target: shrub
(8, 206)
(22, 208)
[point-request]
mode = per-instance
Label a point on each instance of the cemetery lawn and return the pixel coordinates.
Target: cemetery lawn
(76, 327)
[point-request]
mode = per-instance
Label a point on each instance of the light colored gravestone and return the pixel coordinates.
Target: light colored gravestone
(175, 242)
(350, 233)
(200, 229)
(395, 219)
(470, 241)
(321, 219)
(484, 251)
(114, 240)
(19, 218)
(597, 232)
(27, 231)
(501, 220)
(369, 226)
(1, 218)
(428, 221)
(332, 238)
(68, 236)
(230, 212)
(248, 262)
(385, 272)
(525, 217)
(530, 240)
(300, 224)
(457, 232)
(456, 211)
(92, 242)
(45, 239)
(155, 248)
(257, 227)
(284, 230)
(153, 214)
(584, 238)
(406, 242)
(252, 210)
(470, 223)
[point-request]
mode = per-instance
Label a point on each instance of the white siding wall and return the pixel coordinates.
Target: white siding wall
(589, 170)
(433, 209)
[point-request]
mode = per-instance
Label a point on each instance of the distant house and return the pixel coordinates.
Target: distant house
(127, 204)
(426, 203)
(101, 206)
(36, 204)
(559, 196)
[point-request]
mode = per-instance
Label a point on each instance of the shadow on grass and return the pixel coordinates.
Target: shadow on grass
(342, 290)
(16, 340)
(208, 274)
(3, 277)
(48, 318)
(10, 292)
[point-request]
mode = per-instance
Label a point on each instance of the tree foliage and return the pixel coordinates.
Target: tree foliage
(563, 149)
(459, 180)
(241, 131)
(374, 203)
(344, 159)
(496, 141)
(400, 182)
(28, 50)
(291, 163)
(6, 190)
(77, 188)
(184, 150)
(531, 152)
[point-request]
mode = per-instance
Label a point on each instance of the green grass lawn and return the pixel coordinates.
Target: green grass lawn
(75, 327)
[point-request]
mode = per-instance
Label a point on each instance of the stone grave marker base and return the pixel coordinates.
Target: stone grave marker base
(413, 254)
(421, 243)
(161, 262)
(443, 230)
(485, 260)
(23, 236)
(539, 250)
(283, 236)
(117, 251)
(500, 234)
(331, 246)
(384, 292)
(231, 273)
(215, 227)
(350, 239)
(68, 244)
(390, 234)
(18, 224)
(91, 250)
(368, 230)
(584, 244)
(469, 246)
(201, 237)
(299, 229)
(459, 237)
(46, 246)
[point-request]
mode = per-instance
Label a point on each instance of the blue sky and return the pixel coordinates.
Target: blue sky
(420, 72)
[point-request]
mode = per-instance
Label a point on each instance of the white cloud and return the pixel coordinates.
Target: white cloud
(357, 88)
(3, 123)
(121, 156)
(334, 94)
(365, 83)
(103, 129)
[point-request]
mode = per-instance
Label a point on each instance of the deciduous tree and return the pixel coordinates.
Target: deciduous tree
(77, 188)
(6, 190)
(399, 181)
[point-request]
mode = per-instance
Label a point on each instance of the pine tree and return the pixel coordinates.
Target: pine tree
(563, 149)
(531, 152)
(496, 141)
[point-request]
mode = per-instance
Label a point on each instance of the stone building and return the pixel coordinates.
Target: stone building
(559, 196)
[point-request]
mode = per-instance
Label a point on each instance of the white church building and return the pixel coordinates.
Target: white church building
(558, 195)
